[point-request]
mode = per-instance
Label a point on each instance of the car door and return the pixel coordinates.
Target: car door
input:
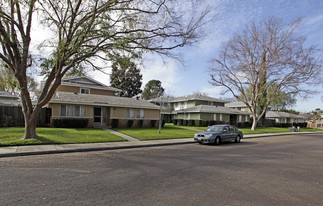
(225, 134)
(233, 132)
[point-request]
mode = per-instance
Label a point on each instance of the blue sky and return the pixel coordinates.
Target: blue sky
(231, 16)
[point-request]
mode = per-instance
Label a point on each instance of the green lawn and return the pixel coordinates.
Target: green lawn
(13, 136)
(258, 130)
(167, 132)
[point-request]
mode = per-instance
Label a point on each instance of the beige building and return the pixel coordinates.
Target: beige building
(83, 97)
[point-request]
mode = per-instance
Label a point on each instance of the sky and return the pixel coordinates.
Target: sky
(231, 16)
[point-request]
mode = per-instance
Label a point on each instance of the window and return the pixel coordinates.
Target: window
(77, 111)
(70, 110)
(140, 113)
(85, 91)
(129, 113)
(83, 111)
(63, 110)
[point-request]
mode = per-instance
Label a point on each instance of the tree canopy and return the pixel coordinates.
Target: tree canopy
(269, 59)
(126, 77)
(152, 90)
(87, 32)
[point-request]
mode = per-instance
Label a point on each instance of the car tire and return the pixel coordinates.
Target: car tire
(238, 139)
(217, 141)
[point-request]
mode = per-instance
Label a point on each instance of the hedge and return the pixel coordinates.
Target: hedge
(70, 122)
(130, 123)
(115, 123)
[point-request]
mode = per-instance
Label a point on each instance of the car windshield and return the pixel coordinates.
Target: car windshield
(214, 129)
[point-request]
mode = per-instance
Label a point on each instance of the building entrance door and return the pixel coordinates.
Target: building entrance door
(97, 116)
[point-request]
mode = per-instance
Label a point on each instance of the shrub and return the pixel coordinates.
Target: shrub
(130, 123)
(185, 122)
(174, 121)
(180, 122)
(70, 122)
(115, 123)
(198, 123)
(140, 123)
(283, 125)
(163, 123)
(6, 121)
(303, 125)
(153, 123)
(190, 122)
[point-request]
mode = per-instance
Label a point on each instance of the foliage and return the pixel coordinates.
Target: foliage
(70, 122)
(130, 123)
(84, 33)
(153, 89)
(140, 123)
(126, 77)
(115, 123)
(9, 83)
(269, 59)
(153, 123)
(6, 121)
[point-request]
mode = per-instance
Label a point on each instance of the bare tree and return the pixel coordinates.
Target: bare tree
(87, 31)
(268, 58)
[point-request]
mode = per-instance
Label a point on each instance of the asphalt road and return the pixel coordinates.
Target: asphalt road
(280, 170)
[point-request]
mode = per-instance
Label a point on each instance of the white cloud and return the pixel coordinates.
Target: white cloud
(156, 68)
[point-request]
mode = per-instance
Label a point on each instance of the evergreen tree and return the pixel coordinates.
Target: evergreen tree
(126, 76)
(152, 90)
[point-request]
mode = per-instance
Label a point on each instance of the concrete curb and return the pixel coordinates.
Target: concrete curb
(92, 147)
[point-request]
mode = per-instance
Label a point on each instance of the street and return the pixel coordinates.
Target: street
(278, 170)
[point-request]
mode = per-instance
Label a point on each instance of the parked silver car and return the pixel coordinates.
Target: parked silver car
(219, 133)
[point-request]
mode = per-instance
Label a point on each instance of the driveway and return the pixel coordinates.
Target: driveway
(280, 170)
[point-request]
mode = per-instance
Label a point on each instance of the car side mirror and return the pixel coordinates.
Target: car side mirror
(225, 130)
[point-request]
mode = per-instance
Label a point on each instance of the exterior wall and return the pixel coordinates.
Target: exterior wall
(56, 113)
(102, 92)
(73, 89)
(207, 116)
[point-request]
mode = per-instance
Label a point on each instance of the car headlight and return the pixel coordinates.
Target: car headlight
(208, 135)
(195, 135)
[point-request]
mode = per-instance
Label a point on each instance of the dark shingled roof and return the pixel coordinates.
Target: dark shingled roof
(103, 100)
(212, 109)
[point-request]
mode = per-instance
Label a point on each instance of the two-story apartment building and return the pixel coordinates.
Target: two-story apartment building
(201, 107)
(83, 97)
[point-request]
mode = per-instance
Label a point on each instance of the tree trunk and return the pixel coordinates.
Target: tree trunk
(30, 126)
(254, 122)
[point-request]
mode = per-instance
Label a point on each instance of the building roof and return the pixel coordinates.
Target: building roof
(235, 104)
(196, 97)
(87, 82)
(7, 95)
(161, 99)
(275, 114)
(100, 100)
(212, 109)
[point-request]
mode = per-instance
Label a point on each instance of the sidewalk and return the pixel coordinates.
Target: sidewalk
(69, 148)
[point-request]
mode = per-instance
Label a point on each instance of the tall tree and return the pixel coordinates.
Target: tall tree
(9, 83)
(269, 58)
(126, 77)
(87, 31)
(152, 90)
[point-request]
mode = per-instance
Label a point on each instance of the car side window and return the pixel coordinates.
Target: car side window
(232, 129)
(225, 129)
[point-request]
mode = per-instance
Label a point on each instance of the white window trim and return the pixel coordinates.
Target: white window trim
(88, 89)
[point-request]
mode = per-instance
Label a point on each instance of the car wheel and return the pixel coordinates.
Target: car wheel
(238, 139)
(217, 141)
